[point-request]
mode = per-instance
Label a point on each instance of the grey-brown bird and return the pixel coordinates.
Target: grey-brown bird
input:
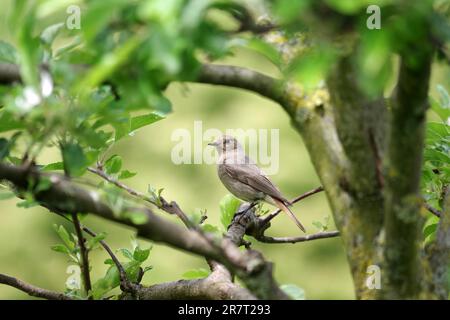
(245, 180)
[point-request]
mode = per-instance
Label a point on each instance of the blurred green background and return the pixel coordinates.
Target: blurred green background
(319, 267)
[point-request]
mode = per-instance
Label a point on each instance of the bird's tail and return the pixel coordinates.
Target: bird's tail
(288, 211)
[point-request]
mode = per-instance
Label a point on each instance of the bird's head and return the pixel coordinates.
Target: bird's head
(226, 143)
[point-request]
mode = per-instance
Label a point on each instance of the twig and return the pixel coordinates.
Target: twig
(171, 208)
(32, 290)
(319, 235)
(125, 284)
(84, 256)
(295, 200)
(434, 211)
(119, 184)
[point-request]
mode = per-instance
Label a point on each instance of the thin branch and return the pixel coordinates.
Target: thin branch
(286, 94)
(244, 78)
(119, 184)
(315, 236)
(84, 256)
(164, 205)
(125, 284)
(32, 290)
(272, 215)
(433, 210)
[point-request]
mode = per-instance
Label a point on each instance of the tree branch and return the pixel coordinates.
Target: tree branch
(434, 211)
(64, 196)
(32, 290)
(314, 236)
(403, 222)
(272, 215)
(125, 284)
(84, 255)
(243, 78)
(217, 286)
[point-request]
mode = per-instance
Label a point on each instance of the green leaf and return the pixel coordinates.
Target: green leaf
(7, 52)
(195, 217)
(265, 49)
(111, 279)
(141, 254)
(95, 240)
(8, 122)
(228, 207)
(53, 166)
(293, 291)
(349, 7)
(49, 34)
(144, 120)
(126, 253)
(318, 224)
(98, 15)
(74, 159)
(28, 45)
(199, 273)
(60, 248)
(64, 236)
(147, 268)
(113, 164)
(442, 112)
(311, 68)
(210, 228)
(109, 63)
(430, 229)
(155, 195)
(125, 174)
(4, 148)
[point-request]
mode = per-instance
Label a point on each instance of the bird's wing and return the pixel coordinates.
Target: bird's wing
(252, 176)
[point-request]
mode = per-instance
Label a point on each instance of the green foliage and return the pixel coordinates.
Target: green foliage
(74, 159)
(228, 207)
(132, 267)
(93, 242)
(7, 53)
(113, 164)
(436, 167)
(322, 226)
(155, 195)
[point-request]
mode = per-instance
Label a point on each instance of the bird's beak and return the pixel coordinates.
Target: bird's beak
(213, 144)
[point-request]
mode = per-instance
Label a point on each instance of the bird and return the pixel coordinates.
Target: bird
(245, 180)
